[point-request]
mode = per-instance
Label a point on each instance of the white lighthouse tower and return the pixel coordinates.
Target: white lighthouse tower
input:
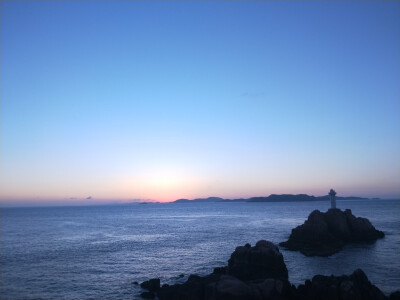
(332, 196)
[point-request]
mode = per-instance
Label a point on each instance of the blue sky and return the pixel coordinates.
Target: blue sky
(163, 100)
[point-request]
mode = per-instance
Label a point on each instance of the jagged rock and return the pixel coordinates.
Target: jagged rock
(220, 270)
(362, 229)
(193, 289)
(337, 224)
(259, 273)
(261, 261)
(228, 287)
(152, 285)
(324, 234)
(353, 287)
(273, 289)
(395, 296)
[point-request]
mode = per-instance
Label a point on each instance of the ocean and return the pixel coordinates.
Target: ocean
(98, 252)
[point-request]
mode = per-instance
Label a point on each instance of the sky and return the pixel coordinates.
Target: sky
(104, 101)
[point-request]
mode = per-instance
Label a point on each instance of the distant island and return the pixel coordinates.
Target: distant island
(271, 198)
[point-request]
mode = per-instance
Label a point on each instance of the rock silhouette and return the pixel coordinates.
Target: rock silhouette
(261, 261)
(354, 287)
(245, 279)
(257, 272)
(152, 285)
(324, 234)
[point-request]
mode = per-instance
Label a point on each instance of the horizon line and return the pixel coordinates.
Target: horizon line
(84, 202)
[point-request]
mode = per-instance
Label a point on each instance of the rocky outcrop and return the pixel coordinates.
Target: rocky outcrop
(227, 287)
(395, 296)
(148, 295)
(152, 285)
(324, 234)
(261, 261)
(354, 287)
(257, 272)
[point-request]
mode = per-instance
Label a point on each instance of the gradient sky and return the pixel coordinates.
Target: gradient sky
(165, 100)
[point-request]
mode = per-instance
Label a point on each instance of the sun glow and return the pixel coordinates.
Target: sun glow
(160, 183)
(165, 180)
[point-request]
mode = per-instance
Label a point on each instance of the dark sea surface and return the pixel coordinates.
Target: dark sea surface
(98, 252)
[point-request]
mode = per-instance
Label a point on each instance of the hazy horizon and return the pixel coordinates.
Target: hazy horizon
(90, 202)
(112, 101)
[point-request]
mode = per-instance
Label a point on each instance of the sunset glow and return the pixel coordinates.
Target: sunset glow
(157, 101)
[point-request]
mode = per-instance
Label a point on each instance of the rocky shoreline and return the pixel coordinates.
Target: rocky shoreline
(324, 234)
(260, 273)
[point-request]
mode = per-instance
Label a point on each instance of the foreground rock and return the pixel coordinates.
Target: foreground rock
(153, 285)
(324, 234)
(227, 287)
(354, 287)
(259, 273)
(261, 261)
(395, 296)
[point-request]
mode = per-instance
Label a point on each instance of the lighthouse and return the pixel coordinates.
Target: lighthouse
(332, 196)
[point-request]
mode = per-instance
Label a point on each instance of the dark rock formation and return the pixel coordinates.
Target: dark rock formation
(227, 287)
(261, 261)
(152, 285)
(194, 288)
(395, 296)
(361, 228)
(324, 234)
(354, 287)
(259, 273)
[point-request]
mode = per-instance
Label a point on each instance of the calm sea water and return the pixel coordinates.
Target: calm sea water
(97, 252)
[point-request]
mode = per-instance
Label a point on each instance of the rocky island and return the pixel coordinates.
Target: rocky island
(324, 234)
(260, 273)
(270, 198)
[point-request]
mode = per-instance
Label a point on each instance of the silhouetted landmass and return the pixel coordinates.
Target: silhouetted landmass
(209, 199)
(342, 198)
(324, 234)
(283, 198)
(260, 273)
(270, 198)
